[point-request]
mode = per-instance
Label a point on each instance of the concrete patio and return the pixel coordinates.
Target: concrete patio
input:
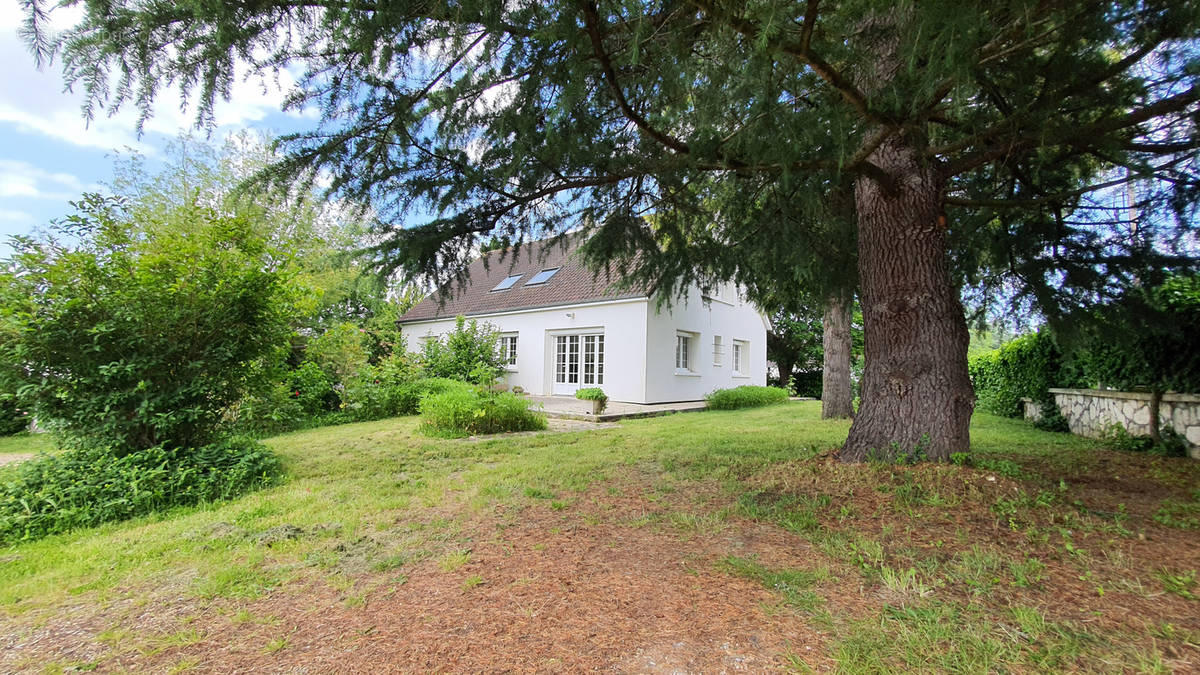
(569, 407)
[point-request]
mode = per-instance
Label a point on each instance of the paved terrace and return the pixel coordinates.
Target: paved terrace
(569, 407)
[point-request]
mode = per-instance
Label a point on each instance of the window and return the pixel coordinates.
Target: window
(718, 350)
(741, 353)
(541, 277)
(508, 350)
(508, 282)
(593, 359)
(683, 345)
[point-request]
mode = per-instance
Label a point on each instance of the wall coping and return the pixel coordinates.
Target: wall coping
(1134, 395)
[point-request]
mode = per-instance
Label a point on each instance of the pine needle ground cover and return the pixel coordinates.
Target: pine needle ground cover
(703, 542)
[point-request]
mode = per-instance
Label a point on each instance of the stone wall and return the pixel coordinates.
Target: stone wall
(1093, 412)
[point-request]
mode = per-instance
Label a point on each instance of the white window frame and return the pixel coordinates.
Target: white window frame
(718, 355)
(741, 355)
(509, 350)
(685, 352)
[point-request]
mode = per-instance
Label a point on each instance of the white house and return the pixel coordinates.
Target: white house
(562, 329)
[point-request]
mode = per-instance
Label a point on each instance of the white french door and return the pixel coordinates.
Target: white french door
(578, 362)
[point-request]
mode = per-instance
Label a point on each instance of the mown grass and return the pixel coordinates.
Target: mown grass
(27, 443)
(374, 498)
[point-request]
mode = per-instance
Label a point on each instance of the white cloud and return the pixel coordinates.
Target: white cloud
(22, 179)
(37, 101)
(14, 216)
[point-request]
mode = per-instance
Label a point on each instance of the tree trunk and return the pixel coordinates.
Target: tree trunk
(837, 401)
(916, 395)
(785, 372)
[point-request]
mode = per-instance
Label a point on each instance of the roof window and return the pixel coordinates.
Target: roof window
(542, 277)
(508, 282)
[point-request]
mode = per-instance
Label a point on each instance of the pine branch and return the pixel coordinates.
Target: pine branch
(592, 22)
(1059, 197)
(1082, 136)
(804, 53)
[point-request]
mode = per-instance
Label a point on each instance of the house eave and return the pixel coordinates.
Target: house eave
(532, 308)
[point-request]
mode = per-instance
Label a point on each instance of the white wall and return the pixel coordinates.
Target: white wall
(623, 324)
(735, 320)
(639, 345)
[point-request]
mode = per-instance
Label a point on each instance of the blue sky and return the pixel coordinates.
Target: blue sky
(49, 155)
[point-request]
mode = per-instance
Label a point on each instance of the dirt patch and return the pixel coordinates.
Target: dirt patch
(543, 590)
(633, 575)
(14, 458)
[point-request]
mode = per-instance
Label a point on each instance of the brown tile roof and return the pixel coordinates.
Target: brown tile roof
(573, 283)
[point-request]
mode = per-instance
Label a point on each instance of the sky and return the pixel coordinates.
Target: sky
(49, 155)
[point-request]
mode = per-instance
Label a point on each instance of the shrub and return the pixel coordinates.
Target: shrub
(87, 486)
(1026, 367)
(312, 388)
(746, 396)
(807, 384)
(392, 388)
(271, 412)
(468, 353)
(138, 330)
(12, 418)
(462, 411)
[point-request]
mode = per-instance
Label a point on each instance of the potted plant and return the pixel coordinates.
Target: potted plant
(596, 395)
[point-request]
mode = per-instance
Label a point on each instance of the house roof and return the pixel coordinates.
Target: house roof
(573, 283)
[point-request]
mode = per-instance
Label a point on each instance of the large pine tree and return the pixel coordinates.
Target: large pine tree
(975, 134)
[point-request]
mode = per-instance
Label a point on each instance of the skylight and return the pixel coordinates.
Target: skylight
(508, 282)
(542, 277)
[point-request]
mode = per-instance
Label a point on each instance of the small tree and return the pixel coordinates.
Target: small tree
(467, 353)
(136, 331)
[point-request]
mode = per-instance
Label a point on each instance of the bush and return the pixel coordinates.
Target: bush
(272, 412)
(746, 396)
(468, 353)
(392, 388)
(12, 419)
(313, 390)
(1026, 367)
(807, 384)
(87, 486)
(139, 330)
(463, 410)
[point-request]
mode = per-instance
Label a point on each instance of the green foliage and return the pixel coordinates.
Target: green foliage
(1147, 339)
(806, 384)
(12, 418)
(465, 410)
(591, 394)
(137, 330)
(273, 411)
(467, 353)
(1169, 444)
(1026, 367)
(88, 486)
(340, 351)
(394, 387)
(312, 388)
(746, 396)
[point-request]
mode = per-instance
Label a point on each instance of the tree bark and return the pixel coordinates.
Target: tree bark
(916, 395)
(837, 401)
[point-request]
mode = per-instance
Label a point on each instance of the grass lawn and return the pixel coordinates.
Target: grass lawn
(697, 542)
(26, 444)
